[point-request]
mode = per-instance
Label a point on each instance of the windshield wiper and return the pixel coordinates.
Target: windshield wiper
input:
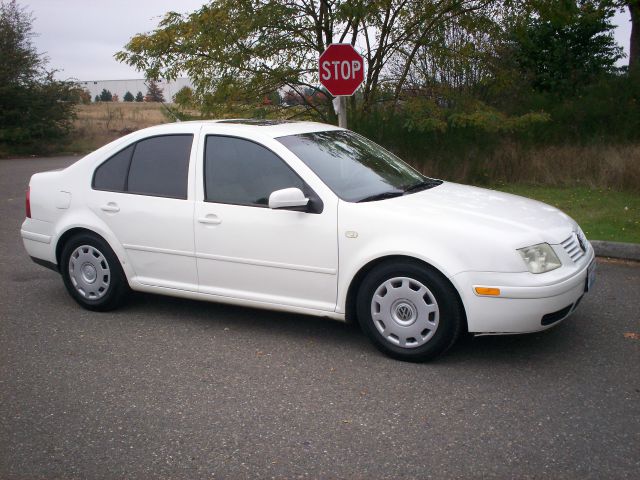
(381, 196)
(423, 185)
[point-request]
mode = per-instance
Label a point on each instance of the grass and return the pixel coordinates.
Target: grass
(610, 166)
(97, 124)
(602, 214)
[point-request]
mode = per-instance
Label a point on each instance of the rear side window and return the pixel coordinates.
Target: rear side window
(156, 166)
(241, 172)
(160, 166)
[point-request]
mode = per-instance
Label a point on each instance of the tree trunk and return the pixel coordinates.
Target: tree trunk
(634, 43)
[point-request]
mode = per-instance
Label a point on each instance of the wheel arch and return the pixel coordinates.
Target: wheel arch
(356, 281)
(108, 293)
(74, 230)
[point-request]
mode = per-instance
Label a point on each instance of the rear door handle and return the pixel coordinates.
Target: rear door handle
(210, 219)
(110, 207)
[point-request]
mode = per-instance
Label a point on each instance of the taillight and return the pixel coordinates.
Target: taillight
(27, 202)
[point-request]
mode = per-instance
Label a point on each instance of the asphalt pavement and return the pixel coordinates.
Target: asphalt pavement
(171, 388)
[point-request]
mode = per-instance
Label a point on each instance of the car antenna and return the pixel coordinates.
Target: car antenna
(164, 105)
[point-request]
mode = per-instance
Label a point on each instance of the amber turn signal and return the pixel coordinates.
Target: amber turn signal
(494, 292)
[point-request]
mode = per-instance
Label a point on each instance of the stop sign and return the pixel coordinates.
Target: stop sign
(341, 69)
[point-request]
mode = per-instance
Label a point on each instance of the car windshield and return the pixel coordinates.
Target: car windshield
(356, 169)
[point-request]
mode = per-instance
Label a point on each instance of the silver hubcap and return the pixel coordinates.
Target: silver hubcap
(405, 312)
(89, 272)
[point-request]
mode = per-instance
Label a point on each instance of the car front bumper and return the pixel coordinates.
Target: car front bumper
(527, 302)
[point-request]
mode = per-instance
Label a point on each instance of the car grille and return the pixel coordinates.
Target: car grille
(573, 248)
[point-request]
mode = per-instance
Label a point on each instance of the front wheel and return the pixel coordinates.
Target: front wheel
(92, 273)
(410, 312)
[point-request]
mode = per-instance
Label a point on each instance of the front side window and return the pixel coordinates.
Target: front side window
(241, 172)
(156, 166)
(355, 168)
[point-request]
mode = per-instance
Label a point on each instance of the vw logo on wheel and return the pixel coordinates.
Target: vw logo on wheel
(404, 312)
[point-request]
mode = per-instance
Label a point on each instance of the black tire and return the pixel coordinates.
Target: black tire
(115, 287)
(449, 319)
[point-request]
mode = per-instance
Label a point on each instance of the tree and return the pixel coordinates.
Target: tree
(292, 97)
(565, 44)
(154, 92)
(21, 62)
(128, 97)
(274, 98)
(634, 41)
(85, 96)
(97, 99)
(139, 97)
(105, 95)
(35, 106)
(261, 46)
(184, 97)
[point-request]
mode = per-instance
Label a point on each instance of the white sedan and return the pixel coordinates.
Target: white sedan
(308, 218)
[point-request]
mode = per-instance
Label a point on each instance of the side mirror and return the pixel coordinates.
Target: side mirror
(288, 198)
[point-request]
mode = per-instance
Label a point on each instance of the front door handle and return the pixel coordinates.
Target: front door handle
(210, 219)
(110, 207)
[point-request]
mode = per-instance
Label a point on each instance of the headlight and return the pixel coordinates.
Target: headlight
(540, 258)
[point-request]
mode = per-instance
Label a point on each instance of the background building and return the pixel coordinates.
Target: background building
(120, 87)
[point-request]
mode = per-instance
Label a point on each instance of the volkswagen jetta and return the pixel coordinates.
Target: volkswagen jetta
(308, 218)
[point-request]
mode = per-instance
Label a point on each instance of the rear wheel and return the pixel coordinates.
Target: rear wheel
(92, 273)
(410, 312)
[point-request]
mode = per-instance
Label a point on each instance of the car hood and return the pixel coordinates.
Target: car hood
(524, 220)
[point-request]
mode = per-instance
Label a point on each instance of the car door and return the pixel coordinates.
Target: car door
(142, 195)
(246, 250)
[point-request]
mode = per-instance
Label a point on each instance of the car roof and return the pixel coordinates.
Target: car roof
(270, 128)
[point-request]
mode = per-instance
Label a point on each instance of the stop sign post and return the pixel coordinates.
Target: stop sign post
(341, 71)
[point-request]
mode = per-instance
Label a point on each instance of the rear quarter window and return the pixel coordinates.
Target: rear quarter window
(112, 174)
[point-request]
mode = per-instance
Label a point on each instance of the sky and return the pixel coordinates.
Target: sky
(80, 36)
